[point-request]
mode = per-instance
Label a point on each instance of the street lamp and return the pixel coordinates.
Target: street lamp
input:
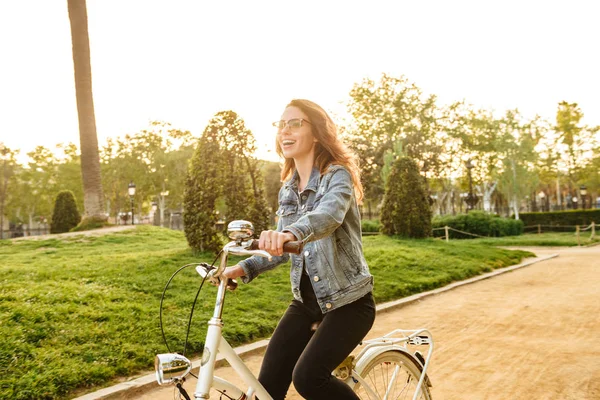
(575, 202)
(542, 195)
(131, 189)
(583, 192)
(472, 198)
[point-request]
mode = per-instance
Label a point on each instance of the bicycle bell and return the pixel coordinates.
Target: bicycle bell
(240, 230)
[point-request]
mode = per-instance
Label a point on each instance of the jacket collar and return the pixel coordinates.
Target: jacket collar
(313, 181)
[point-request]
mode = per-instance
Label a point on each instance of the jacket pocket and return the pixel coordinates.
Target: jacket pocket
(287, 209)
(288, 213)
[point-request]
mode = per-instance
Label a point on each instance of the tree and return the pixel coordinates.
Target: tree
(90, 162)
(406, 211)
(236, 144)
(7, 170)
(272, 173)
(515, 146)
(68, 172)
(65, 215)
(202, 189)
(384, 113)
(39, 183)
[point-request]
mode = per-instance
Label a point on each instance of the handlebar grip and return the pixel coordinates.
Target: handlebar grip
(288, 247)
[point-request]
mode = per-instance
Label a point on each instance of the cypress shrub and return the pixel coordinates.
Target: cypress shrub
(406, 211)
(202, 189)
(569, 217)
(479, 223)
(65, 215)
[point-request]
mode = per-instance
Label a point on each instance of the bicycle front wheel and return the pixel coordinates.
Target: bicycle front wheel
(391, 375)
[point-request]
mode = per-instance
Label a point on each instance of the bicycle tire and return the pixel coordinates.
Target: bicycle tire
(379, 372)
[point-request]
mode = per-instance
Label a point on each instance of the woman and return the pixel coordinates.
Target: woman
(330, 280)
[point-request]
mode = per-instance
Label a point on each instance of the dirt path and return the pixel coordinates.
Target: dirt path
(529, 334)
(93, 232)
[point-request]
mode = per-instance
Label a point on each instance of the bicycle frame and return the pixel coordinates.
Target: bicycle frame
(216, 343)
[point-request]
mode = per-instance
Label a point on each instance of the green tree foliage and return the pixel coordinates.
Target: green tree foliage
(39, 183)
(155, 159)
(515, 147)
(236, 145)
(389, 111)
(223, 169)
(8, 168)
(272, 173)
(202, 189)
(571, 136)
(406, 210)
(65, 215)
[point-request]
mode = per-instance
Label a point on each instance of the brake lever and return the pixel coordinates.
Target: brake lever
(206, 272)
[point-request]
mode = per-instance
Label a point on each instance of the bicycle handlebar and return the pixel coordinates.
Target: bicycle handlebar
(288, 247)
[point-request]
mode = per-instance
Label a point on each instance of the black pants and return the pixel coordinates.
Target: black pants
(296, 353)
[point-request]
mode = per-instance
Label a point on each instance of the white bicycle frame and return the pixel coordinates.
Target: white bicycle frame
(216, 343)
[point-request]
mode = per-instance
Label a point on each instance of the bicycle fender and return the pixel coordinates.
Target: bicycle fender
(375, 351)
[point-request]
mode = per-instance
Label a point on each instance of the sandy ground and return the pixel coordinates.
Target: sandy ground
(529, 334)
(93, 232)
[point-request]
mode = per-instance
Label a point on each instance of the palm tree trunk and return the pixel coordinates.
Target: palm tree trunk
(93, 197)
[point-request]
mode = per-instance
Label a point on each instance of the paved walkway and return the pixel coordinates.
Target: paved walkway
(93, 232)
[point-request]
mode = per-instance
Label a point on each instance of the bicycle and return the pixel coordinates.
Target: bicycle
(386, 368)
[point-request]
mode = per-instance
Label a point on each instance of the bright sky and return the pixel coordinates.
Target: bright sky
(182, 61)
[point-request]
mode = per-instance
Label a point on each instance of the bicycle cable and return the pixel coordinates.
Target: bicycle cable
(162, 331)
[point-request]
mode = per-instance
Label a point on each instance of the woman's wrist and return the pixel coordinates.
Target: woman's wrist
(234, 272)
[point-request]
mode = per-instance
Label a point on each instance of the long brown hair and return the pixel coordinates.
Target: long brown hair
(329, 149)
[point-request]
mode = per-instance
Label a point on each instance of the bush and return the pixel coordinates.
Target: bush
(479, 223)
(370, 225)
(65, 215)
(571, 217)
(406, 211)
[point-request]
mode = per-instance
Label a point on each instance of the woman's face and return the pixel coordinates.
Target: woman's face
(296, 139)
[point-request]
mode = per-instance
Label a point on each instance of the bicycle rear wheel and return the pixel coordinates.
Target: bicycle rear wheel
(391, 375)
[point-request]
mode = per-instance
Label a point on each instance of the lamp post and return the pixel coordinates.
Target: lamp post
(131, 190)
(575, 202)
(583, 192)
(161, 204)
(542, 196)
(472, 198)
(154, 208)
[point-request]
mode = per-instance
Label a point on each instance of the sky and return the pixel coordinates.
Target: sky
(182, 61)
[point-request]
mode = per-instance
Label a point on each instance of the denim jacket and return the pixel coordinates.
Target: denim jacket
(325, 217)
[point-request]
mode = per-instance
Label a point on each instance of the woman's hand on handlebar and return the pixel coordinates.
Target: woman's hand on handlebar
(272, 241)
(234, 272)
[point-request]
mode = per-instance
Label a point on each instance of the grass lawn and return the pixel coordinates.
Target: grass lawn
(544, 239)
(79, 313)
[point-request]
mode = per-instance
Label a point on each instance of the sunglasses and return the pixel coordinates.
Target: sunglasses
(293, 124)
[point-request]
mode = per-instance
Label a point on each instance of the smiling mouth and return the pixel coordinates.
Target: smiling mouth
(287, 143)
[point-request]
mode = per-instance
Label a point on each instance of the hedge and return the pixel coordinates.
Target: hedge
(570, 217)
(370, 225)
(479, 223)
